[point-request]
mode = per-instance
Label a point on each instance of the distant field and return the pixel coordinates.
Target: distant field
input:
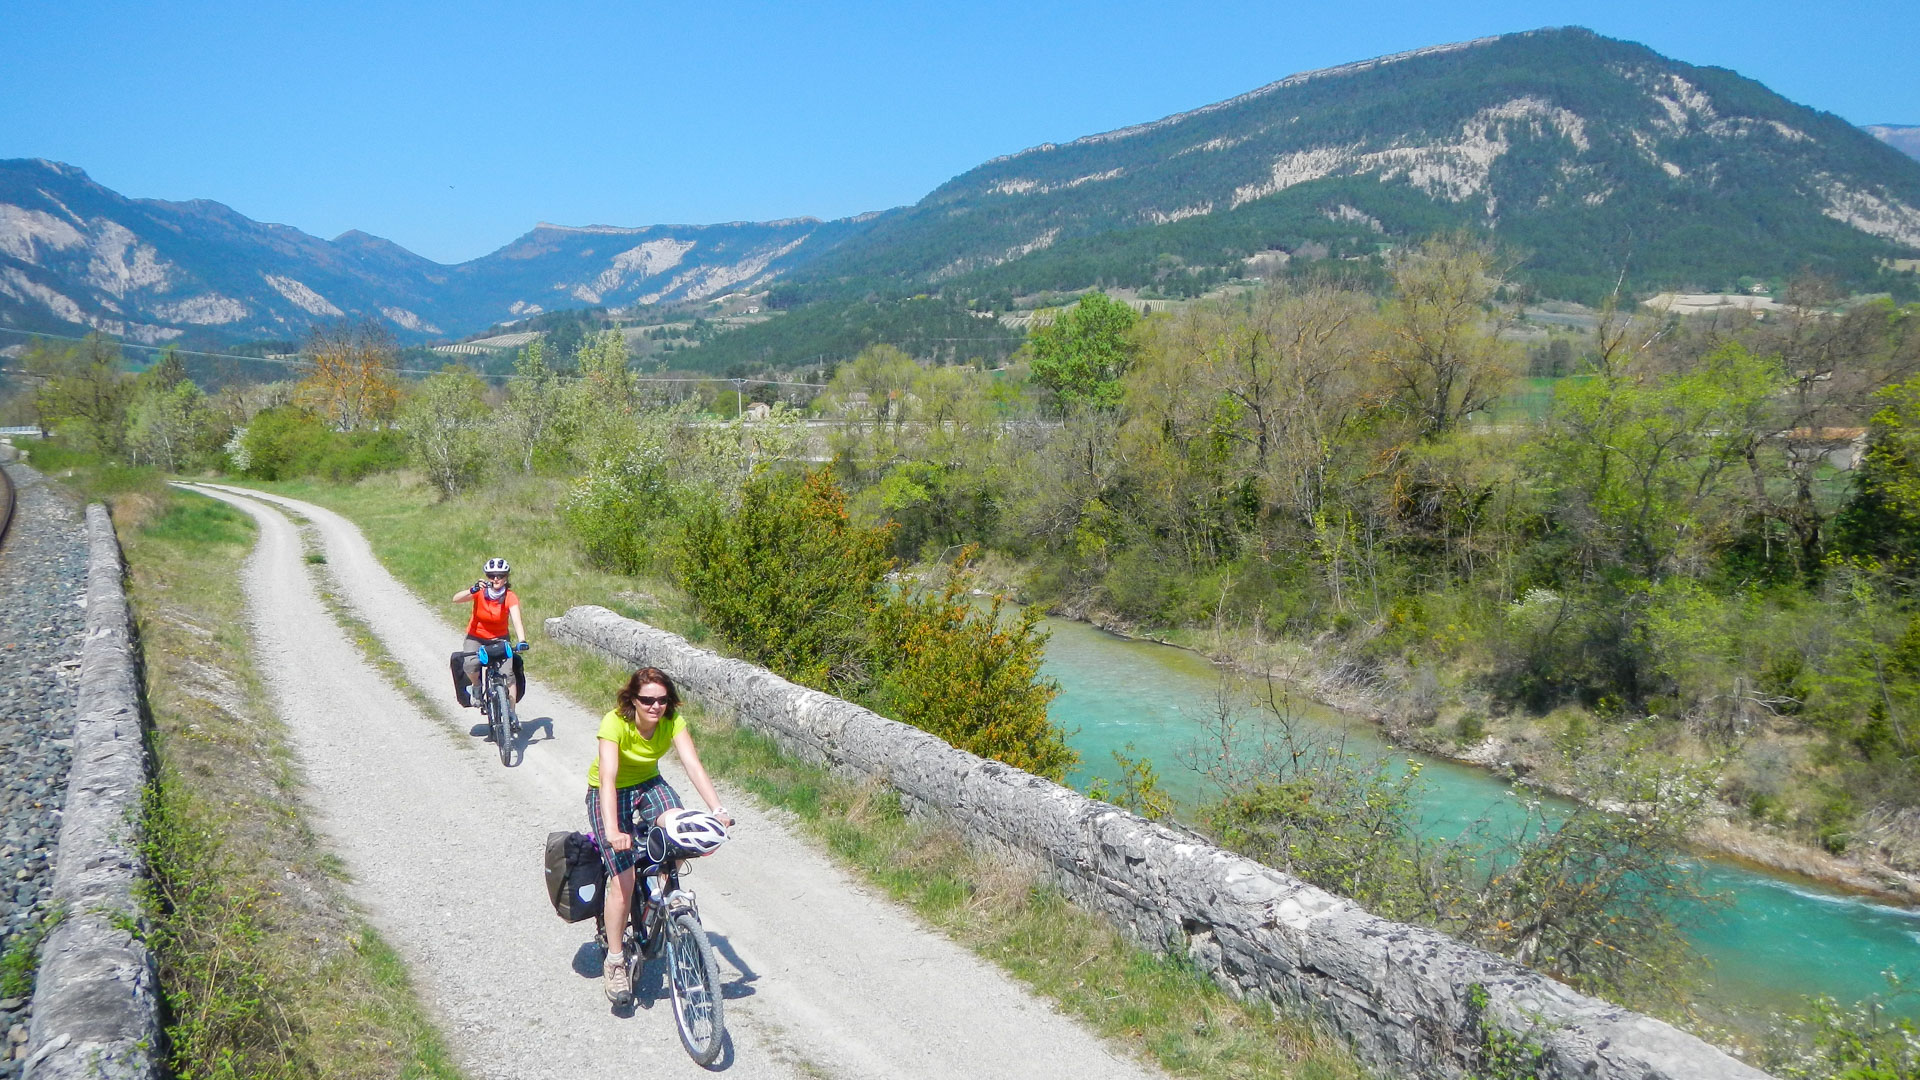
(1528, 403)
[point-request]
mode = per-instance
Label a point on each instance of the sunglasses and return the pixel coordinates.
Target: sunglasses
(496, 577)
(649, 702)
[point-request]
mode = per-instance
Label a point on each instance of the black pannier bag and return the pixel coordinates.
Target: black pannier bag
(457, 663)
(576, 879)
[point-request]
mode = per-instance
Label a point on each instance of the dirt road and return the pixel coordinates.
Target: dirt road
(823, 977)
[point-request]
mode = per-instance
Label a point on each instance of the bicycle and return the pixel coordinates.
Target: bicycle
(495, 699)
(665, 915)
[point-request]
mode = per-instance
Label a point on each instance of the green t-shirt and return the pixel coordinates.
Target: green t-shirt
(639, 758)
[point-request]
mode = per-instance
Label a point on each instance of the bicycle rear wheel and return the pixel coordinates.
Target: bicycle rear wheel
(694, 979)
(498, 721)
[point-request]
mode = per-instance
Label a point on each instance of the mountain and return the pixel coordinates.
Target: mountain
(1902, 137)
(76, 256)
(1588, 153)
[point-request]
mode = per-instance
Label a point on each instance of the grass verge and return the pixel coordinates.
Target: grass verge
(1162, 1008)
(267, 970)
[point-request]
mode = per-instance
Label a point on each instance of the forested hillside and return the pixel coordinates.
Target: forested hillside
(1592, 155)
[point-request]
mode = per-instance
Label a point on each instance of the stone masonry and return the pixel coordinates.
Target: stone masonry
(96, 1005)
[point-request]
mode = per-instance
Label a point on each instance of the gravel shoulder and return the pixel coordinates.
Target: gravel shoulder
(824, 977)
(43, 576)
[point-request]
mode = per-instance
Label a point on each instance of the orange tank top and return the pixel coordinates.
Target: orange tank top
(490, 616)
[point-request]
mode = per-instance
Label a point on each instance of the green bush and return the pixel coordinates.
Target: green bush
(788, 580)
(287, 442)
(618, 509)
(278, 442)
(969, 676)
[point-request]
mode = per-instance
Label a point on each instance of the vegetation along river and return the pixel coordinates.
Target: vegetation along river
(1777, 941)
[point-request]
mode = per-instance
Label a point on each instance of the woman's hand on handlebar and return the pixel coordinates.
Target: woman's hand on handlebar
(522, 647)
(620, 841)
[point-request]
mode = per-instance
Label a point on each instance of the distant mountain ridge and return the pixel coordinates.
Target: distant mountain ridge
(76, 256)
(1588, 154)
(1902, 137)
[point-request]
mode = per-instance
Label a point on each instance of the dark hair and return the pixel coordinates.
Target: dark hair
(644, 677)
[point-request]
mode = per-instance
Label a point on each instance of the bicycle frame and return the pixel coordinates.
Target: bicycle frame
(495, 665)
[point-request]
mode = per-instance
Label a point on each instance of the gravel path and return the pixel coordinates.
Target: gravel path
(824, 977)
(43, 580)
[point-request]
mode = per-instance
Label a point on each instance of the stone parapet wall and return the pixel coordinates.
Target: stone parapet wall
(96, 1002)
(1401, 994)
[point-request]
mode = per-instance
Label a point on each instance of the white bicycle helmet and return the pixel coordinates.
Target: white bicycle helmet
(685, 832)
(496, 565)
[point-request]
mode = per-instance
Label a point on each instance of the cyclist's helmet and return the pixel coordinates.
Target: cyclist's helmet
(496, 565)
(685, 832)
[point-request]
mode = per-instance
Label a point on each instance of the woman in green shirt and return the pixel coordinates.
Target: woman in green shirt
(644, 724)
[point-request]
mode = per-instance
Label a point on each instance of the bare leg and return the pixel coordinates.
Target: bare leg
(619, 895)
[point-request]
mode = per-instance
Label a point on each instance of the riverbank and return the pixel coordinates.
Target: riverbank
(1528, 751)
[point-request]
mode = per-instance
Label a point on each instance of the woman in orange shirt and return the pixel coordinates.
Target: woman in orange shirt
(495, 607)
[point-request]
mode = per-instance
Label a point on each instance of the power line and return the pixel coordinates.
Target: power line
(301, 361)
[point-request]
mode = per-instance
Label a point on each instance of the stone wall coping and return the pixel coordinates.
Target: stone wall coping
(96, 1001)
(1402, 995)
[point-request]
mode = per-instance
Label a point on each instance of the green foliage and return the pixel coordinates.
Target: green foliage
(623, 506)
(823, 334)
(969, 675)
(226, 1008)
(447, 426)
(1081, 355)
(1594, 898)
(788, 579)
(1137, 789)
(83, 392)
(544, 414)
(288, 441)
(1644, 455)
(20, 961)
(1867, 1040)
(1882, 517)
(1313, 809)
(1503, 1055)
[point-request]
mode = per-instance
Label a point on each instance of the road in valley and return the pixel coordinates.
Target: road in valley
(824, 977)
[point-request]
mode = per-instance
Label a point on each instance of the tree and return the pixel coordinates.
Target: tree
(166, 426)
(788, 579)
(1083, 353)
(1442, 359)
(445, 424)
(352, 386)
(83, 392)
(1640, 458)
(602, 360)
(968, 675)
(540, 405)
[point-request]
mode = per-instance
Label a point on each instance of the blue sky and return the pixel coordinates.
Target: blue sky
(451, 128)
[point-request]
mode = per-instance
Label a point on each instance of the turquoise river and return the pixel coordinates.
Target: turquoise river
(1775, 942)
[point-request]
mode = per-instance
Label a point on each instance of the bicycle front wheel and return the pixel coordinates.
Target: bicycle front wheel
(502, 710)
(694, 978)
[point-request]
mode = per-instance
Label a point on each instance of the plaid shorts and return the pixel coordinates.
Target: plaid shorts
(641, 803)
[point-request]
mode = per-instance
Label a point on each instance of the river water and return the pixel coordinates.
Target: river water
(1775, 942)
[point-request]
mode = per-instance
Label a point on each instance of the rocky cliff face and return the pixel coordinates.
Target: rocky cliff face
(75, 256)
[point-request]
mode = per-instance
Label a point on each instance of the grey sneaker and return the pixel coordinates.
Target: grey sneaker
(619, 983)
